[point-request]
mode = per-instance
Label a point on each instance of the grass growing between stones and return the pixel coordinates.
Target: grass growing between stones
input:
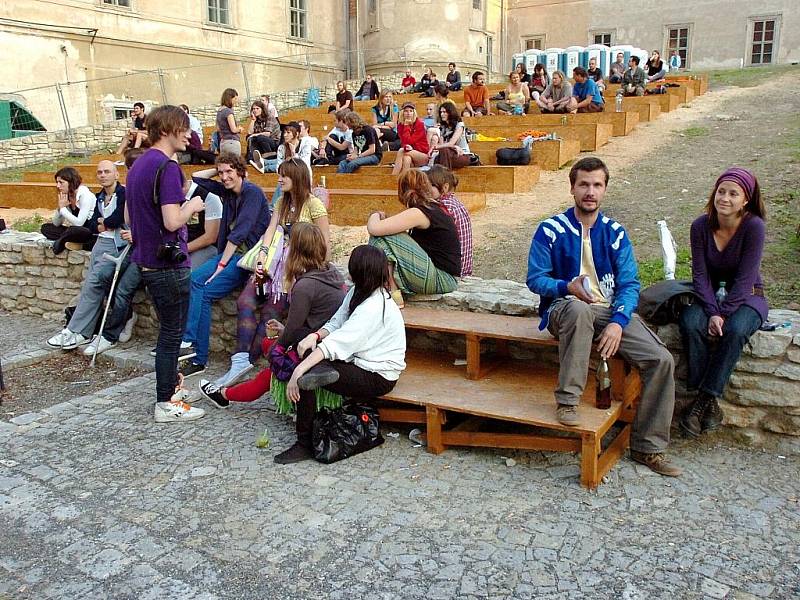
(29, 224)
(15, 174)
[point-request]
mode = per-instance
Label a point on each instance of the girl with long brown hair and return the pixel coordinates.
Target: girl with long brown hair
(317, 290)
(228, 129)
(421, 242)
(296, 205)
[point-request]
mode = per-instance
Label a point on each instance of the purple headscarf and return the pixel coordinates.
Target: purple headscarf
(740, 176)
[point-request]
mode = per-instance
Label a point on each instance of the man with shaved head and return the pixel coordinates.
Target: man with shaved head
(108, 224)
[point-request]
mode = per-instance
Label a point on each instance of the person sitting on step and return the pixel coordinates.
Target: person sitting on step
(581, 264)
(421, 242)
(596, 75)
(517, 97)
(524, 76)
(427, 81)
(384, 119)
(617, 69)
(76, 205)
(334, 147)
(556, 96)
(244, 218)
(633, 79)
(263, 134)
(227, 127)
(138, 132)
(344, 99)
(476, 97)
(539, 81)
(414, 146)
(296, 205)
(359, 353)
(444, 183)
(368, 90)
(586, 97)
(450, 146)
(655, 67)
(108, 222)
(727, 246)
(365, 150)
(453, 79)
(316, 291)
(408, 83)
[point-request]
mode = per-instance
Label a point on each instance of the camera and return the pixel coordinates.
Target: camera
(170, 252)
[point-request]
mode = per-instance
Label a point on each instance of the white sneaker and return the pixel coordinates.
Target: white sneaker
(257, 161)
(73, 340)
(57, 341)
(104, 345)
(127, 332)
(176, 411)
(240, 365)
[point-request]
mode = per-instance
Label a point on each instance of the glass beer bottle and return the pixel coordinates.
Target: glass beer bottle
(603, 385)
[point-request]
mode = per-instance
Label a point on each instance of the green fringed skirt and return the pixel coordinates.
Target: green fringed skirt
(325, 398)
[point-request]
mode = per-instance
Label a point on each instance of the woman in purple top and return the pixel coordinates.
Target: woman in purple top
(727, 244)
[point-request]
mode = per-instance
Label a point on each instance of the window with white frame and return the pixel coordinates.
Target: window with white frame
(763, 42)
(298, 19)
(603, 37)
(219, 12)
(678, 38)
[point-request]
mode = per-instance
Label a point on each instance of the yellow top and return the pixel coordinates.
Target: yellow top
(587, 268)
(312, 210)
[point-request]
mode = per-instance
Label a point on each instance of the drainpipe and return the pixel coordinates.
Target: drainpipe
(503, 35)
(348, 40)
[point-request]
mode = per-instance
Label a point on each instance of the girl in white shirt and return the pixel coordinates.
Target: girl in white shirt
(76, 205)
(359, 353)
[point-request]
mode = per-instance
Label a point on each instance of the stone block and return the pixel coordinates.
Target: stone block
(789, 371)
(782, 423)
(757, 365)
(740, 416)
(763, 390)
(765, 344)
(793, 354)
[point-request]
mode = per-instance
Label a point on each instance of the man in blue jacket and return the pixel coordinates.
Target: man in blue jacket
(245, 217)
(582, 266)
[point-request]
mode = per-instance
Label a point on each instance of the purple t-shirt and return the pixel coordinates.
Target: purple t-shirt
(147, 225)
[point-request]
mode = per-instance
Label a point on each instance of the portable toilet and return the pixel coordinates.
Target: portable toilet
(531, 58)
(517, 59)
(643, 55)
(572, 59)
(553, 59)
(602, 54)
(626, 49)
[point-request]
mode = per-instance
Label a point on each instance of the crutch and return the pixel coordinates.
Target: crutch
(117, 260)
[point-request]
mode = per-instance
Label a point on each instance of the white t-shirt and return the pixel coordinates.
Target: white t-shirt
(105, 212)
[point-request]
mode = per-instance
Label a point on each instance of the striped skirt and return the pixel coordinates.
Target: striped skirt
(414, 271)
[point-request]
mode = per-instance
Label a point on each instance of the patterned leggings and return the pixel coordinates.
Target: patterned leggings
(252, 319)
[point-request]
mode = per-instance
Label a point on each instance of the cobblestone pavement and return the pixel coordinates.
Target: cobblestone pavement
(97, 501)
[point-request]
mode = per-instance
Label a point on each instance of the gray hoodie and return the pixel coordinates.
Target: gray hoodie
(315, 297)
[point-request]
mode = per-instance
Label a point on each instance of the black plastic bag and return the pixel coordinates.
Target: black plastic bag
(345, 432)
(513, 156)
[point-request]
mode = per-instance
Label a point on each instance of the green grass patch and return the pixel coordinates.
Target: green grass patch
(695, 132)
(652, 270)
(15, 174)
(29, 224)
(747, 77)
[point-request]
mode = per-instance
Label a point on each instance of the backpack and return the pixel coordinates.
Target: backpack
(513, 156)
(663, 302)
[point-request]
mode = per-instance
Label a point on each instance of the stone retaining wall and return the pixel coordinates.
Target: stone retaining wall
(40, 147)
(763, 395)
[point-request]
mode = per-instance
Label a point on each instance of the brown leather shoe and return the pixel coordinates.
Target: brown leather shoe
(657, 462)
(567, 415)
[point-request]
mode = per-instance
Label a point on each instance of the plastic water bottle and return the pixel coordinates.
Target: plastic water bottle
(618, 105)
(722, 293)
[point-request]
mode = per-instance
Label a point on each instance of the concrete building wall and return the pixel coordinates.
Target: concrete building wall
(719, 31)
(56, 42)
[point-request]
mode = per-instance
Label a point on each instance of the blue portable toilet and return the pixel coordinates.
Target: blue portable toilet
(602, 54)
(553, 59)
(517, 59)
(572, 59)
(626, 49)
(531, 58)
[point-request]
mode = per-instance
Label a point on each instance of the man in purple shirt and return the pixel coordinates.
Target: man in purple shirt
(157, 214)
(245, 217)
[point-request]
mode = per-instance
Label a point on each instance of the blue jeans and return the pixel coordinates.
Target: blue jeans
(350, 166)
(169, 290)
(362, 97)
(127, 283)
(198, 326)
(708, 369)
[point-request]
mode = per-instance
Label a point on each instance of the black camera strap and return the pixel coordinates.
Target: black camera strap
(157, 195)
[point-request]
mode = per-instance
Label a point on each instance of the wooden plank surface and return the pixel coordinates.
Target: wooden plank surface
(518, 391)
(486, 325)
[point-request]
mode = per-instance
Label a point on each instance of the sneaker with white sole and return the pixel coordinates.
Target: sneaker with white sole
(188, 369)
(240, 365)
(176, 411)
(104, 345)
(73, 340)
(186, 352)
(57, 341)
(258, 161)
(213, 393)
(127, 332)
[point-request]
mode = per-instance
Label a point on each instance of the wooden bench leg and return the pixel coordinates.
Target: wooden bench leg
(590, 452)
(473, 357)
(434, 430)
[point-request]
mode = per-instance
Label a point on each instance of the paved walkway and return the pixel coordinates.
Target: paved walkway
(97, 501)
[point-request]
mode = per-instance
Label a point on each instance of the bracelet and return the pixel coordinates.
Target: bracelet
(222, 264)
(319, 337)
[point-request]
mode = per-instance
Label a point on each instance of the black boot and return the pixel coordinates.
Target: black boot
(690, 422)
(297, 453)
(301, 450)
(713, 415)
(318, 376)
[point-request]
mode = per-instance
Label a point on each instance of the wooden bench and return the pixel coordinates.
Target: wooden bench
(518, 393)
(622, 122)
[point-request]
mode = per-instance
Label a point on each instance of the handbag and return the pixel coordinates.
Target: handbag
(250, 258)
(513, 156)
(345, 432)
(283, 361)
